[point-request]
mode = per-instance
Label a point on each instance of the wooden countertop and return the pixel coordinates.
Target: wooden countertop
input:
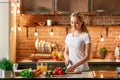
(96, 60)
(86, 75)
(51, 60)
(40, 60)
(102, 60)
(82, 75)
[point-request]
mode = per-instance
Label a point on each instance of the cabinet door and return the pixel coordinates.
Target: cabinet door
(72, 5)
(36, 6)
(105, 6)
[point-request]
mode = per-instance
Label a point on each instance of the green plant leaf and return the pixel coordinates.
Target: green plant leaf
(103, 50)
(26, 73)
(6, 64)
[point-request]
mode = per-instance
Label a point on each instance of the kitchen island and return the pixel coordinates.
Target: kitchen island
(99, 74)
(92, 73)
(83, 75)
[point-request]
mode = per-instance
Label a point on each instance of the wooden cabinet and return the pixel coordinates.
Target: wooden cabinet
(52, 6)
(104, 6)
(71, 5)
(68, 6)
(36, 6)
(95, 64)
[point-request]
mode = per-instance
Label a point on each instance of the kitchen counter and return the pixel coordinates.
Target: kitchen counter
(92, 73)
(85, 75)
(95, 64)
(51, 60)
(82, 75)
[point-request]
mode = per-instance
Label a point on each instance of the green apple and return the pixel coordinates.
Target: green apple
(60, 56)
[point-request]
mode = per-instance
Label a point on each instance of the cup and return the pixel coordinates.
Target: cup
(42, 67)
(49, 22)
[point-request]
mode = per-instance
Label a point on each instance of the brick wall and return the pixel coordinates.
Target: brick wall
(110, 40)
(26, 47)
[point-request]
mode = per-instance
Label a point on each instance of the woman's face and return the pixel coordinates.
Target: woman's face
(76, 23)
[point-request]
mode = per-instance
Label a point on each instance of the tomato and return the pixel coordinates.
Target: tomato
(55, 72)
(60, 72)
(59, 68)
(55, 57)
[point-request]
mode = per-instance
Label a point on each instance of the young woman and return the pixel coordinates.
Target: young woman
(77, 44)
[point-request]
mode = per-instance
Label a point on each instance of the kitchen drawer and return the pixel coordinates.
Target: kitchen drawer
(24, 65)
(103, 65)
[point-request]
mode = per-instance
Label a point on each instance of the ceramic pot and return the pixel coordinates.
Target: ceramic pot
(6, 73)
(102, 56)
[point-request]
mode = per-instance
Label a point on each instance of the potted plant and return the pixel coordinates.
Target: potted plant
(6, 67)
(103, 52)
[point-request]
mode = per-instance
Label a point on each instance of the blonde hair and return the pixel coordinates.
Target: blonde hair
(81, 18)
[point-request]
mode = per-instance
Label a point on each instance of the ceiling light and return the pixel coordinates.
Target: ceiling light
(19, 28)
(51, 32)
(36, 33)
(101, 39)
(18, 4)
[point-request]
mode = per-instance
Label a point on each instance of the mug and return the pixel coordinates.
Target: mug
(49, 22)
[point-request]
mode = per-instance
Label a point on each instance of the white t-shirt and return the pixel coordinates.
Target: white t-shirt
(76, 48)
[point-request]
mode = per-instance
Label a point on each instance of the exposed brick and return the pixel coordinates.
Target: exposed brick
(26, 47)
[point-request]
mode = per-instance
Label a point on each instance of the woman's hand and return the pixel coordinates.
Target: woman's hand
(67, 62)
(71, 69)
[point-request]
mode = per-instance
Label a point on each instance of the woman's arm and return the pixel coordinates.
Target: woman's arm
(87, 55)
(66, 55)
